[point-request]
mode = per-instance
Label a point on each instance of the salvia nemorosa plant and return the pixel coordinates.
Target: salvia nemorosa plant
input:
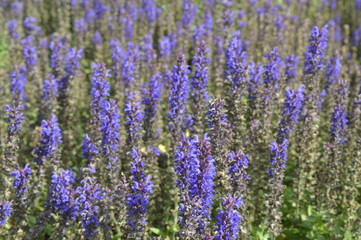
(5, 212)
(199, 87)
(138, 198)
(134, 116)
(109, 127)
(62, 194)
(151, 97)
(336, 164)
(90, 149)
(47, 149)
(47, 153)
(30, 53)
(159, 119)
(273, 69)
(228, 218)
(18, 81)
(313, 65)
(290, 113)
(89, 201)
(14, 118)
(71, 66)
(99, 92)
(50, 95)
(236, 77)
(129, 64)
(221, 135)
(65, 84)
(178, 99)
(56, 57)
(196, 171)
(238, 164)
(21, 178)
(22, 201)
(291, 65)
(117, 55)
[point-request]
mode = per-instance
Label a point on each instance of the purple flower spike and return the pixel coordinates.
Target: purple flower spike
(12, 24)
(196, 171)
(100, 88)
(29, 53)
(21, 179)
(290, 111)
(316, 50)
(134, 117)
(228, 219)
(89, 201)
(62, 194)
(273, 69)
(291, 63)
(14, 118)
(90, 150)
(117, 55)
(178, 97)
(109, 126)
(138, 199)
(199, 84)
(50, 90)
(238, 163)
(5, 212)
(339, 119)
(49, 141)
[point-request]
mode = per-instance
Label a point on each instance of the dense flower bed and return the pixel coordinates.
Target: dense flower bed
(213, 119)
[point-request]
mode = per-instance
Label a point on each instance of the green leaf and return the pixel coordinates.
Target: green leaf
(155, 230)
(348, 235)
(309, 210)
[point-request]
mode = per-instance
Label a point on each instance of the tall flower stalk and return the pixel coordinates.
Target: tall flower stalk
(178, 99)
(228, 218)
(134, 116)
(109, 127)
(14, 119)
(89, 200)
(71, 66)
(5, 212)
(313, 64)
(236, 75)
(50, 95)
(48, 145)
(47, 151)
(336, 164)
(221, 138)
(196, 171)
(138, 198)
(18, 82)
(278, 149)
(237, 170)
(199, 87)
(151, 98)
(99, 92)
(22, 201)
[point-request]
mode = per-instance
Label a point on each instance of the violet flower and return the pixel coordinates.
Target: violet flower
(5, 212)
(21, 178)
(89, 201)
(228, 219)
(316, 50)
(62, 194)
(133, 120)
(49, 141)
(199, 85)
(178, 98)
(138, 199)
(29, 53)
